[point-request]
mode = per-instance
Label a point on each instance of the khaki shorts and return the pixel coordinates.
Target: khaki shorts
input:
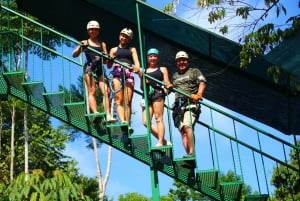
(189, 119)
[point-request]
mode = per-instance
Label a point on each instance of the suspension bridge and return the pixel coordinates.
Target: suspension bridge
(45, 85)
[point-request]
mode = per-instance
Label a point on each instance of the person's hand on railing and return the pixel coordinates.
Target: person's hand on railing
(169, 85)
(109, 61)
(196, 97)
(136, 69)
(84, 44)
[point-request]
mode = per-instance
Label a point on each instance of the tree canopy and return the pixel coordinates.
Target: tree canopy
(260, 25)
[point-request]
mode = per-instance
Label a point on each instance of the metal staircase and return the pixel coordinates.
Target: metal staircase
(38, 85)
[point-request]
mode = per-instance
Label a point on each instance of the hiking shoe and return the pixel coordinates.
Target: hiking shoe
(168, 143)
(130, 130)
(159, 145)
(110, 118)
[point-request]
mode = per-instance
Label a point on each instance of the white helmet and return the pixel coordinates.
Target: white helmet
(181, 54)
(92, 25)
(127, 32)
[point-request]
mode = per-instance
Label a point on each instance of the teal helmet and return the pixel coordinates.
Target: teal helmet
(153, 51)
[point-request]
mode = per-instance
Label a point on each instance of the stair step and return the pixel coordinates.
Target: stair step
(34, 89)
(55, 99)
(92, 116)
(3, 89)
(97, 120)
(231, 190)
(162, 154)
(260, 197)
(119, 131)
(140, 143)
(76, 110)
(184, 169)
(15, 79)
(208, 178)
(185, 163)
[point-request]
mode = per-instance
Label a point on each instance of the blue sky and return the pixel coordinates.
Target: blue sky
(127, 174)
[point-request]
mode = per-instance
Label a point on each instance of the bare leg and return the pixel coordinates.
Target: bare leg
(119, 96)
(187, 139)
(91, 87)
(158, 129)
(158, 110)
(106, 100)
(128, 94)
(105, 91)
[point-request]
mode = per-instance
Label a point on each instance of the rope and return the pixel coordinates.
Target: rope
(110, 84)
(125, 95)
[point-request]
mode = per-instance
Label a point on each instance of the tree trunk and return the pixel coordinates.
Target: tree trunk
(98, 168)
(12, 142)
(102, 182)
(26, 141)
(107, 169)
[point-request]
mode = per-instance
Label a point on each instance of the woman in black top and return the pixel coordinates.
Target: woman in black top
(156, 96)
(93, 68)
(123, 78)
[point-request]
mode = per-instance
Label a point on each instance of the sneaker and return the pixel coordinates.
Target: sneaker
(168, 143)
(110, 118)
(130, 129)
(159, 145)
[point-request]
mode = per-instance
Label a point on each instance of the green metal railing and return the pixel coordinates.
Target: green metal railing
(237, 146)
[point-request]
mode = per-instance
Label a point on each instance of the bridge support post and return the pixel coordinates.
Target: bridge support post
(154, 184)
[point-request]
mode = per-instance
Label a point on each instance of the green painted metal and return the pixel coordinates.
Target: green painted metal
(208, 178)
(185, 170)
(251, 86)
(231, 190)
(3, 89)
(154, 183)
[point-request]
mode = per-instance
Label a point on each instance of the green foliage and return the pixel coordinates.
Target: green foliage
(90, 185)
(224, 29)
(280, 75)
(183, 193)
(216, 14)
(168, 8)
(243, 12)
(37, 187)
(133, 197)
(257, 43)
(205, 3)
(287, 181)
(257, 36)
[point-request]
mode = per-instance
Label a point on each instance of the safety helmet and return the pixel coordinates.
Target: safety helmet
(181, 54)
(127, 32)
(153, 51)
(92, 25)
